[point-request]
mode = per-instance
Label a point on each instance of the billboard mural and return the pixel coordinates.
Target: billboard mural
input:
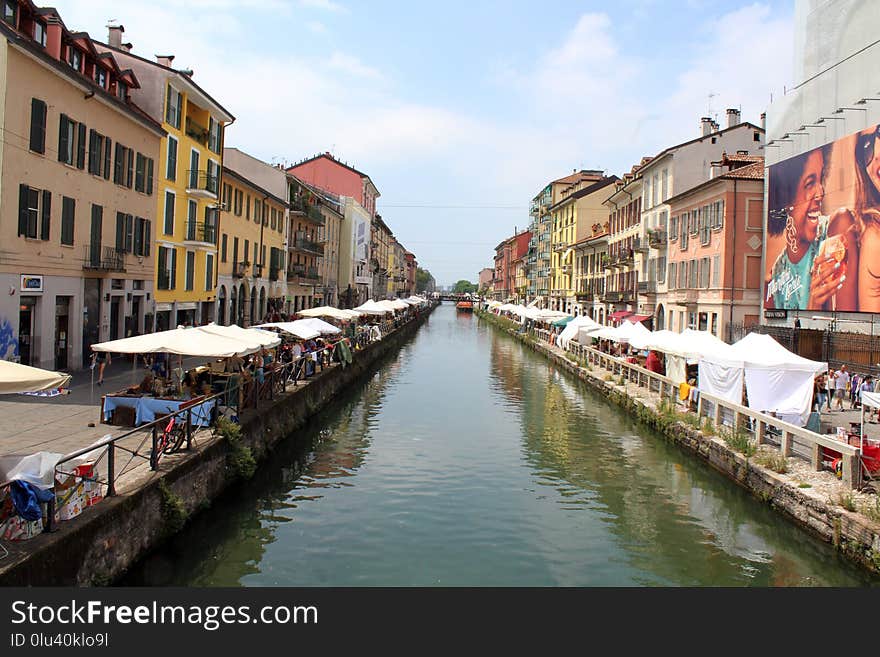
(823, 228)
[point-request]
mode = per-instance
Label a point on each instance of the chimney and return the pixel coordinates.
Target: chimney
(706, 125)
(764, 121)
(53, 36)
(733, 117)
(114, 37)
(164, 60)
(126, 47)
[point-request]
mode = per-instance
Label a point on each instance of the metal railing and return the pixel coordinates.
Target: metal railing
(201, 231)
(103, 258)
(201, 180)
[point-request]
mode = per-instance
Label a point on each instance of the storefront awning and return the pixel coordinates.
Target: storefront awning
(638, 318)
(620, 314)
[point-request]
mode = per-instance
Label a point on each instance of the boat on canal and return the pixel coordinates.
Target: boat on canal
(464, 306)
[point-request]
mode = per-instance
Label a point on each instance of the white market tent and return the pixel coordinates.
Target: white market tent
(182, 342)
(15, 378)
(634, 333)
(295, 328)
(324, 328)
(398, 304)
(325, 311)
(777, 380)
(573, 328)
(254, 336)
(371, 307)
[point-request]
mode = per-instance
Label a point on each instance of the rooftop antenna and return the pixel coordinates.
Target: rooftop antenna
(709, 111)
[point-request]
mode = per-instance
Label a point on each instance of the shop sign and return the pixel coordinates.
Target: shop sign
(775, 314)
(31, 283)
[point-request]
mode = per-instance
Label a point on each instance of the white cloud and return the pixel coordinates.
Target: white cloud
(327, 5)
(316, 27)
(351, 65)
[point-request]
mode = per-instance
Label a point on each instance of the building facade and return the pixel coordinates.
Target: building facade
(589, 273)
(715, 242)
(188, 177)
(77, 168)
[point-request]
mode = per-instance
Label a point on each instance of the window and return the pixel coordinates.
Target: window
(140, 172)
(121, 90)
(704, 229)
(704, 272)
(34, 212)
(718, 214)
(74, 58)
(716, 268)
(756, 136)
(673, 228)
(96, 152)
(67, 138)
(673, 266)
(168, 228)
(234, 253)
(247, 244)
(209, 272)
(124, 232)
(214, 129)
(247, 208)
(129, 176)
(693, 273)
(171, 164)
(141, 245)
(173, 107)
(191, 214)
(190, 270)
(682, 274)
(239, 197)
(227, 197)
(274, 214)
(123, 171)
(194, 169)
(223, 243)
(257, 208)
(211, 184)
(38, 126)
(68, 219)
(661, 269)
(101, 77)
(10, 11)
(167, 269)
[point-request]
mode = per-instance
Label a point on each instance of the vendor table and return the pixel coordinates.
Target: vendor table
(148, 409)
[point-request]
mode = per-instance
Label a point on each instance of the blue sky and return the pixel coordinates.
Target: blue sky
(475, 105)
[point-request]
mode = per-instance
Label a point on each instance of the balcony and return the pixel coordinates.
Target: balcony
(657, 239)
(302, 274)
(302, 242)
(196, 132)
(613, 296)
(624, 258)
(201, 185)
(258, 271)
(201, 231)
(647, 287)
(606, 261)
(684, 297)
(239, 269)
(640, 246)
(307, 211)
(274, 273)
(627, 296)
(103, 258)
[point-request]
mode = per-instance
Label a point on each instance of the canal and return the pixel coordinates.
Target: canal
(469, 460)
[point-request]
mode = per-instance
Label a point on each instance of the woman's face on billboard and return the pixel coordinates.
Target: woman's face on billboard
(869, 154)
(807, 205)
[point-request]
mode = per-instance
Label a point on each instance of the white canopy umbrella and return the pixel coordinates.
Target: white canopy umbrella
(389, 306)
(182, 342)
(295, 328)
(635, 333)
(573, 328)
(254, 336)
(398, 304)
(325, 311)
(15, 377)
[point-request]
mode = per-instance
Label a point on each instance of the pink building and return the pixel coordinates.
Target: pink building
(715, 240)
(506, 254)
(326, 172)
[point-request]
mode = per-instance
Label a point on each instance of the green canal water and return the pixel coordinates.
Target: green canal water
(469, 460)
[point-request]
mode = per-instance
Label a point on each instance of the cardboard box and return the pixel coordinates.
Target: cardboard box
(17, 528)
(92, 492)
(70, 497)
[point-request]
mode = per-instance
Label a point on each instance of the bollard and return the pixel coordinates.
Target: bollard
(111, 469)
(785, 448)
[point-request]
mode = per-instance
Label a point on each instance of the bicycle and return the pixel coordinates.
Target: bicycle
(171, 440)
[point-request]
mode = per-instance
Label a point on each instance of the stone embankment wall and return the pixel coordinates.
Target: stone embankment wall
(99, 546)
(851, 533)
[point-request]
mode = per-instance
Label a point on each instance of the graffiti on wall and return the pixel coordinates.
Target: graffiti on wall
(8, 341)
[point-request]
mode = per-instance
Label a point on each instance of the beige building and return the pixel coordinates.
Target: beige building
(77, 215)
(251, 271)
(305, 247)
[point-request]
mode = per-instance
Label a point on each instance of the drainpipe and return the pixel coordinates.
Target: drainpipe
(733, 271)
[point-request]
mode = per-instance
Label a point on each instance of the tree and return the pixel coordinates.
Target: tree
(464, 287)
(423, 277)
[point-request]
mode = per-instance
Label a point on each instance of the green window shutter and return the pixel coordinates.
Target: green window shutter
(81, 146)
(129, 233)
(23, 192)
(38, 126)
(172, 277)
(46, 219)
(120, 231)
(148, 236)
(120, 164)
(129, 179)
(62, 138)
(149, 176)
(107, 144)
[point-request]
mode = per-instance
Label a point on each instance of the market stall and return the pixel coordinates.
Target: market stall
(17, 378)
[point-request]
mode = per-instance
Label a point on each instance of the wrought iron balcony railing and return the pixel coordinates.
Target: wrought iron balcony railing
(103, 258)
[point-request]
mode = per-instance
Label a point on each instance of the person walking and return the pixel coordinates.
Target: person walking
(841, 383)
(821, 393)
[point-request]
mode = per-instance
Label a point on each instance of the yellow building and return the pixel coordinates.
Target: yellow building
(188, 177)
(251, 275)
(572, 221)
